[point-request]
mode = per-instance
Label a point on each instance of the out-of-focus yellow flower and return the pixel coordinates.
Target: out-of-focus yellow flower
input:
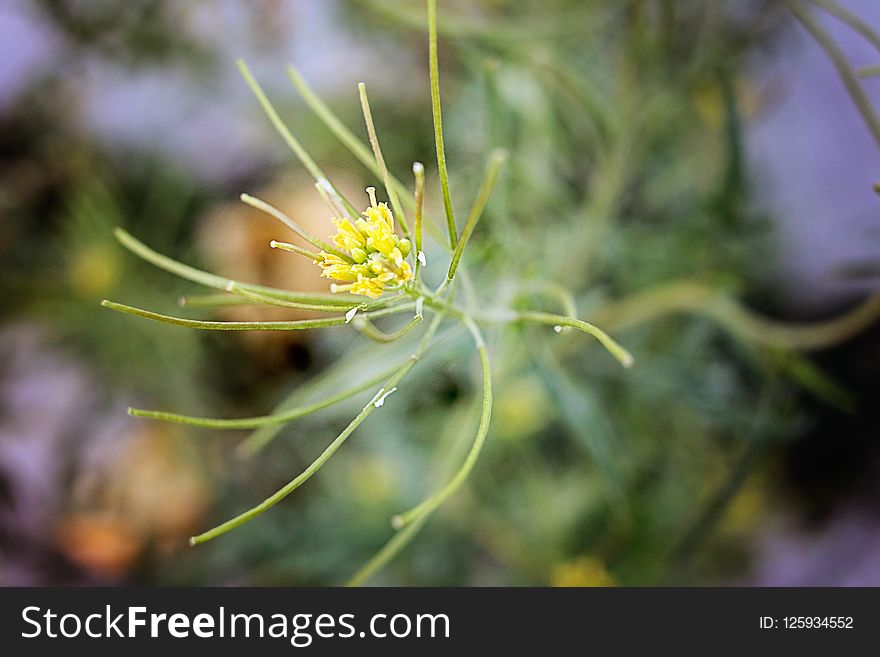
(709, 102)
(522, 409)
(373, 256)
(747, 508)
(94, 270)
(373, 480)
(586, 570)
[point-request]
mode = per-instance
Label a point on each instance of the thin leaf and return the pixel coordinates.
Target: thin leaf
(261, 420)
(331, 449)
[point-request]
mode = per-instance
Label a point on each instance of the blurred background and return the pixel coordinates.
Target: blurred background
(682, 167)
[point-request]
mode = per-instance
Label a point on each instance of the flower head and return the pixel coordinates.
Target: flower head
(372, 256)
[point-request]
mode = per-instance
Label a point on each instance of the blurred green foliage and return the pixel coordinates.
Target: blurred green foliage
(626, 180)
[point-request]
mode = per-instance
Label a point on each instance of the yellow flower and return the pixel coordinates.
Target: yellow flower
(375, 257)
(582, 571)
(349, 237)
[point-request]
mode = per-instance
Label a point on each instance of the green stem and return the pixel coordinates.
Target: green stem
(438, 122)
(354, 145)
(214, 301)
(494, 31)
(287, 136)
(390, 550)
(805, 337)
(720, 501)
(337, 375)
(432, 301)
(846, 16)
(261, 420)
(419, 173)
(331, 449)
(369, 330)
(295, 325)
(555, 291)
(281, 303)
(272, 211)
(496, 159)
(868, 71)
(219, 282)
(504, 316)
(622, 355)
(380, 159)
(293, 248)
(429, 505)
(694, 298)
(332, 122)
(837, 57)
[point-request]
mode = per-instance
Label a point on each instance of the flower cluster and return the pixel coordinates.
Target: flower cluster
(371, 256)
